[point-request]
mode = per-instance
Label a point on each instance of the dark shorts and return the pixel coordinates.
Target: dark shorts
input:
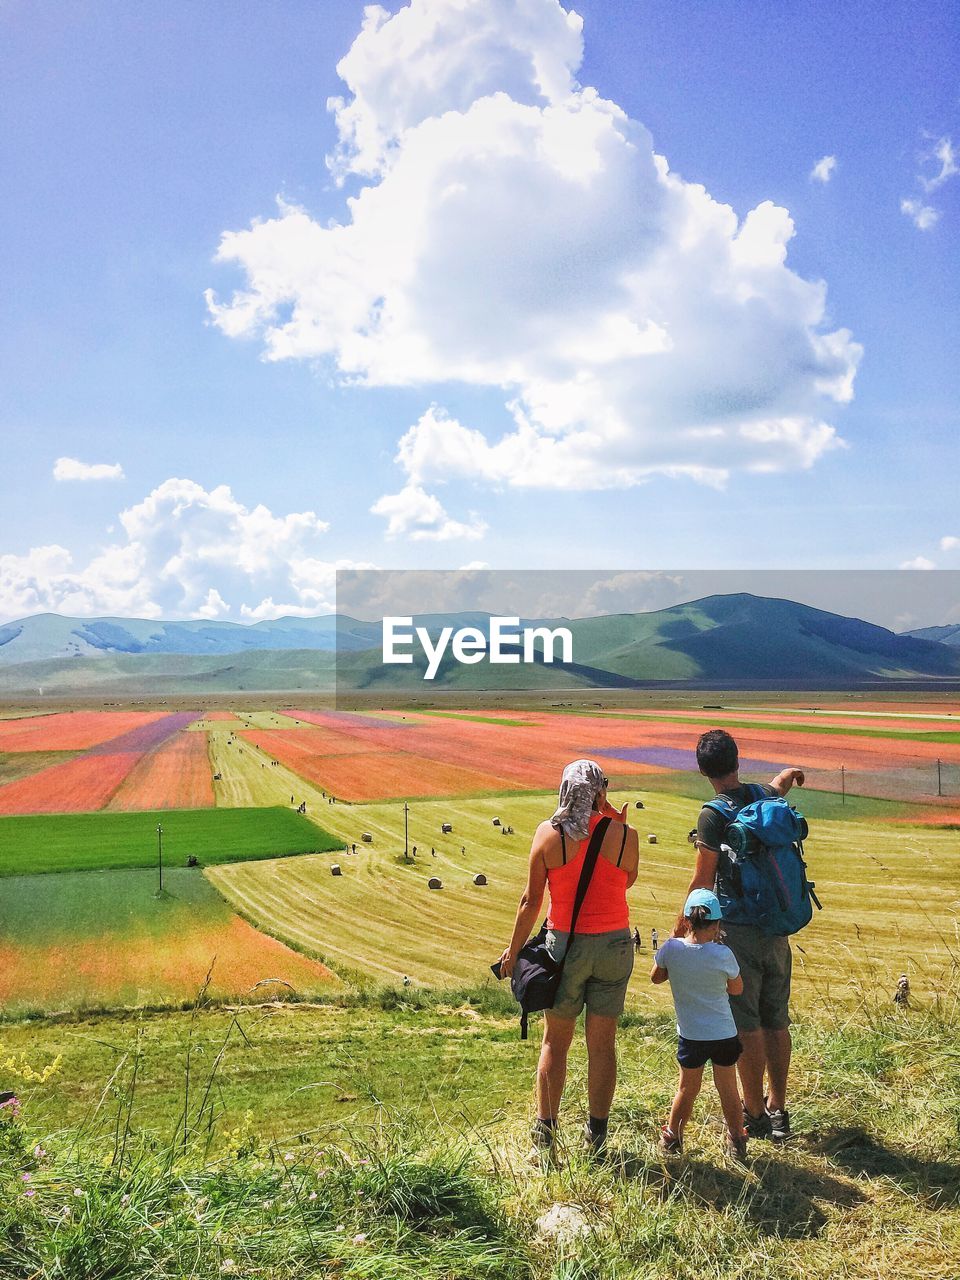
(765, 965)
(697, 1053)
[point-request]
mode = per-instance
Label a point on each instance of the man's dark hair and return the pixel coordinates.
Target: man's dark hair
(717, 754)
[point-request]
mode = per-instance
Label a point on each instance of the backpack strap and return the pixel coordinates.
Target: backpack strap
(586, 873)
(563, 846)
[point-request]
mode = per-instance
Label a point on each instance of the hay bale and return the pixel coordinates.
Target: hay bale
(479, 878)
(639, 804)
(446, 828)
(434, 883)
(366, 837)
(496, 822)
(651, 839)
(335, 869)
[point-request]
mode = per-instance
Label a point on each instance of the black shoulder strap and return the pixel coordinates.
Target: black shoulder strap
(563, 846)
(586, 872)
(623, 845)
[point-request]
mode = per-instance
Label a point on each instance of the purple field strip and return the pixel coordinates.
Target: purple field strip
(361, 722)
(673, 758)
(136, 741)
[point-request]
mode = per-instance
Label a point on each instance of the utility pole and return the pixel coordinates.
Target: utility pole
(160, 855)
(406, 833)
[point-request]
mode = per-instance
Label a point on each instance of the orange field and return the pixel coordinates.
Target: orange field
(112, 969)
(175, 775)
(88, 781)
(390, 755)
(70, 730)
(78, 786)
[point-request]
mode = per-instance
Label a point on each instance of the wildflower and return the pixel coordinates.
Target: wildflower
(77, 1191)
(39, 1153)
(11, 1108)
(341, 1227)
(288, 1156)
(125, 1198)
(27, 1177)
(228, 1267)
(360, 1238)
(29, 1192)
(312, 1195)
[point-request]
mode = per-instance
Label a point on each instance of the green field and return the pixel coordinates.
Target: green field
(87, 841)
(385, 1140)
(886, 888)
(290, 1127)
(82, 940)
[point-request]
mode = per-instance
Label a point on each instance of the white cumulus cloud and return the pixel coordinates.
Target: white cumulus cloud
(822, 171)
(512, 229)
(923, 216)
(184, 552)
(950, 543)
(942, 157)
(73, 469)
(918, 562)
(942, 154)
(419, 515)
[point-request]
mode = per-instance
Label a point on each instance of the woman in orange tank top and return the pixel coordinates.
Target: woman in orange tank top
(599, 956)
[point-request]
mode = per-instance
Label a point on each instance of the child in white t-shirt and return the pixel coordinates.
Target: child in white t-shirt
(703, 974)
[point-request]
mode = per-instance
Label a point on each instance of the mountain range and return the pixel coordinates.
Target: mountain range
(725, 641)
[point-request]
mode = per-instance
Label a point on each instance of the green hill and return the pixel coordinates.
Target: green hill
(740, 641)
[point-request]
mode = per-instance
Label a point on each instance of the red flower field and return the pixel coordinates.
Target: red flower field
(87, 782)
(176, 775)
(71, 730)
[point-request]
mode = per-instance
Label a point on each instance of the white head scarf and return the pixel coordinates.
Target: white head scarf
(578, 789)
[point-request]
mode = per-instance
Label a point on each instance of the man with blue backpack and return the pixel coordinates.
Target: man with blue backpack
(749, 845)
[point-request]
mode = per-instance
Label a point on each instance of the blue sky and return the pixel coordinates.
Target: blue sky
(578, 388)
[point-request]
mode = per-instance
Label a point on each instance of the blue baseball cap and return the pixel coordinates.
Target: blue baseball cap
(703, 898)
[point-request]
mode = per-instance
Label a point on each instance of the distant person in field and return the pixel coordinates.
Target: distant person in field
(654, 940)
(637, 941)
(761, 1012)
(599, 961)
(703, 975)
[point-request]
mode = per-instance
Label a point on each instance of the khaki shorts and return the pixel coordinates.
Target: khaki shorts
(595, 973)
(765, 966)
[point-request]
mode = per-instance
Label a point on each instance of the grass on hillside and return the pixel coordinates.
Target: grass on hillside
(385, 1140)
(87, 841)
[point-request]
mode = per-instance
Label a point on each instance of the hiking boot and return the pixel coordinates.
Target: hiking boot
(779, 1122)
(757, 1126)
(735, 1147)
(670, 1144)
(543, 1151)
(594, 1144)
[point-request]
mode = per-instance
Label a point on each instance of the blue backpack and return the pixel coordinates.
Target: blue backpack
(761, 876)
